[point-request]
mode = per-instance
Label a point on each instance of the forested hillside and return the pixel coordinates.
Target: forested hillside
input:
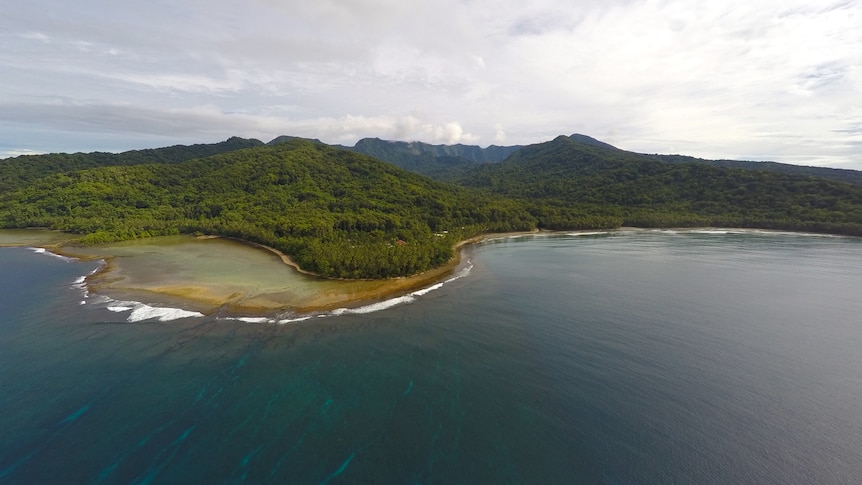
(567, 177)
(452, 162)
(838, 174)
(18, 171)
(337, 213)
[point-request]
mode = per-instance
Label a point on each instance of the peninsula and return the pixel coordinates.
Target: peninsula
(341, 214)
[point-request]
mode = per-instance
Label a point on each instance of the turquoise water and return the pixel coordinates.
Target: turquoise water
(632, 357)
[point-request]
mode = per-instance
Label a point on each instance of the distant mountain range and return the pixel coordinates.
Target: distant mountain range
(424, 158)
(437, 161)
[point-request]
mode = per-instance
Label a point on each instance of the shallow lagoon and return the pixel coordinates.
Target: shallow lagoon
(215, 274)
(211, 272)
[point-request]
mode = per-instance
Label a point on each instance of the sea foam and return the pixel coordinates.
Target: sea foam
(141, 312)
(588, 233)
(80, 283)
(293, 320)
(374, 307)
(254, 319)
(738, 231)
(49, 253)
(400, 300)
(425, 291)
(719, 232)
(361, 310)
(464, 272)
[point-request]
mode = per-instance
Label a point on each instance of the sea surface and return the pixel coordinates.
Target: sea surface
(628, 357)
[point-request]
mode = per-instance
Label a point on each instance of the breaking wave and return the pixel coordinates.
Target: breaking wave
(49, 253)
(588, 233)
(408, 298)
(140, 312)
(361, 310)
(80, 283)
(374, 307)
(734, 231)
(279, 320)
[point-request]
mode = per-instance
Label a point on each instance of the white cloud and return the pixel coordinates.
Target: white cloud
(210, 122)
(500, 135)
(39, 36)
(749, 78)
(16, 152)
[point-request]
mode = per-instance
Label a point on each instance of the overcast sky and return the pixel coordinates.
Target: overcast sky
(740, 79)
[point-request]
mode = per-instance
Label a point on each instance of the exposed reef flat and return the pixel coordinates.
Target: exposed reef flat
(216, 273)
(32, 237)
(209, 274)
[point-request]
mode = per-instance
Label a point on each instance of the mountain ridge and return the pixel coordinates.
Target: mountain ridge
(425, 158)
(437, 160)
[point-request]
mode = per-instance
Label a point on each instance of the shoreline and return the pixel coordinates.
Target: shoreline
(354, 294)
(389, 288)
(205, 298)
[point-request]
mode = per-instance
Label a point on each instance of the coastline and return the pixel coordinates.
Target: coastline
(115, 282)
(386, 289)
(309, 294)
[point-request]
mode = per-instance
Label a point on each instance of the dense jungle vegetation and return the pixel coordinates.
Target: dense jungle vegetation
(18, 171)
(564, 177)
(343, 214)
(335, 212)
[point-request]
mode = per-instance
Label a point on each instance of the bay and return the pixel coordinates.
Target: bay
(715, 356)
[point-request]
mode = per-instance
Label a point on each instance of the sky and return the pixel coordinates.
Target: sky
(730, 79)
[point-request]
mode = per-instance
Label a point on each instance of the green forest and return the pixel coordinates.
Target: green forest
(563, 179)
(343, 214)
(336, 213)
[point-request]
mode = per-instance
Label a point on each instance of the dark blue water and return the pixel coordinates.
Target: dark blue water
(626, 358)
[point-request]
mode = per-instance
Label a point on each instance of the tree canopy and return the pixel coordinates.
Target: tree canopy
(335, 212)
(343, 214)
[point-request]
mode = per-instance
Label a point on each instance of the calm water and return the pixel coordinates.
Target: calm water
(642, 357)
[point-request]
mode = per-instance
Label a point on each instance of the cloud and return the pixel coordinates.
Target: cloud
(500, 135)
(16, 152)
(39, 36)
(210, 122)
(750, 78)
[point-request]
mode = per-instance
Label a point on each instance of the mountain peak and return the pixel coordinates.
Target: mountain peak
(288, 138)
(588, 140)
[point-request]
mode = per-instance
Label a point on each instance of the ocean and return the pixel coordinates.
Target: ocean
(627, 357)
